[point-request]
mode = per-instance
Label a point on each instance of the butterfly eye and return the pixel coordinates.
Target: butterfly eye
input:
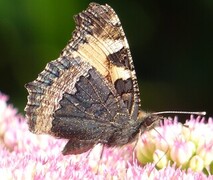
(149, 121)
(152, 121)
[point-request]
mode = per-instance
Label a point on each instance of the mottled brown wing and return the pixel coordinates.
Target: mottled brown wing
(99, 39)
(92, 83)
(70, 98)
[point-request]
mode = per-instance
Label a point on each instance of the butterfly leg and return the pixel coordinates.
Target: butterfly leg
(135, 144)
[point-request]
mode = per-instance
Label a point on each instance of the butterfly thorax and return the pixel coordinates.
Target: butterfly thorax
(123, 135)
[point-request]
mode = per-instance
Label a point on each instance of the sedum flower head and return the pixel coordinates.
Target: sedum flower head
(28, 156)
(188, 146)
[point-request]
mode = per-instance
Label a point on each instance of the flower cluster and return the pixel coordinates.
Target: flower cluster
(188, 146)
(28, 156)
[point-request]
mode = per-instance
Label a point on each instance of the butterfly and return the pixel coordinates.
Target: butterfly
(90, 94)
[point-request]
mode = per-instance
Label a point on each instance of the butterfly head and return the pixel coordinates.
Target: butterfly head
(149, 120)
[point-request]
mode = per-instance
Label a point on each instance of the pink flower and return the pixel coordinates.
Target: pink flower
(182, 151)
(188, 146)
(28, 156)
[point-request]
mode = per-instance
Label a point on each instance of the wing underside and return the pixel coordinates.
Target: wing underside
(93, 79)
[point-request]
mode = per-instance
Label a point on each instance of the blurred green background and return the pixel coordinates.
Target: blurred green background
(171, 44)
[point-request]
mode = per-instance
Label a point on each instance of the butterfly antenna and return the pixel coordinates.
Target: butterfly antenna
(202, 113)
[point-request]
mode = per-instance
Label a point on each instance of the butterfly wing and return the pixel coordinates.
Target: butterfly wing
(99, 39)
(92, 83)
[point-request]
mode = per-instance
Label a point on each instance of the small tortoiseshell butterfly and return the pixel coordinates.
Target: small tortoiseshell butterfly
(90, 94)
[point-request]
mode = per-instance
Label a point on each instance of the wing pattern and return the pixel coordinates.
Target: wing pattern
(91, 85)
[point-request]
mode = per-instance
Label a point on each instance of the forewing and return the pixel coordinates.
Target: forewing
(99, 39)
